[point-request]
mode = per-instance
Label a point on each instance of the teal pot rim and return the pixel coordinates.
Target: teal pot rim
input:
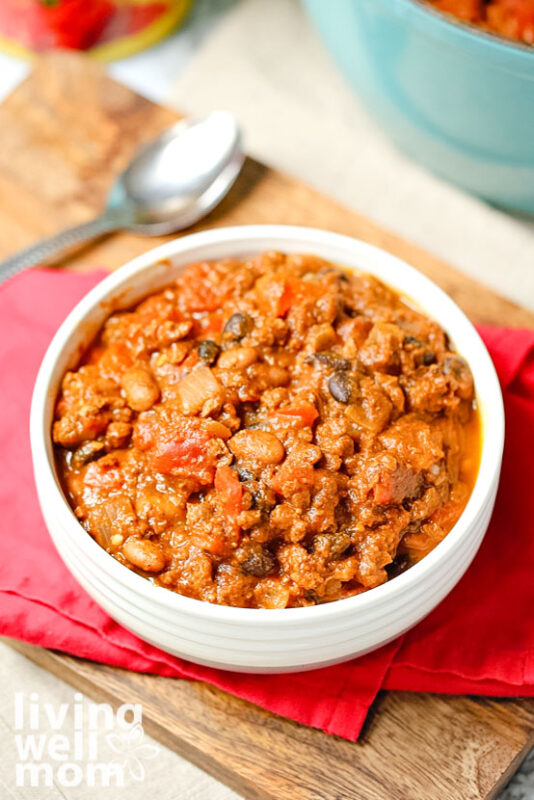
(507, 53)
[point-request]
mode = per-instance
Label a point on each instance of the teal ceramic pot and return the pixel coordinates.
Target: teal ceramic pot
(455, 98)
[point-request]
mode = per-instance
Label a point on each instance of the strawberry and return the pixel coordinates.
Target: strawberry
(45, 24)
(75, 24)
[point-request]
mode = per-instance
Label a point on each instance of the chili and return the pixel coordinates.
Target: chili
(323, 438)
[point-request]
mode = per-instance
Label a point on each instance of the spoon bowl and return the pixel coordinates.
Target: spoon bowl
(179, 177)
(169, 184)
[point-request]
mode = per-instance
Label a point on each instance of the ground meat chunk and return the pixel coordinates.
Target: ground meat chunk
(403, 484)
(416, 443)
(380, 351)
(89, 402)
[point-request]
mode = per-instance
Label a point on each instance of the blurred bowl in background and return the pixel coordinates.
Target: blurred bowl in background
(456, 98)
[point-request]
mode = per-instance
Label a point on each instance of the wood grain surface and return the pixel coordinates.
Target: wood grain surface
(64, 134)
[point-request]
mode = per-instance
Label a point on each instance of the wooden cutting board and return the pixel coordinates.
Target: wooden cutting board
(64, 134)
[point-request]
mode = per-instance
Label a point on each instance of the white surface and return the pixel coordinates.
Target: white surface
(259, 640)
(286, 91)
(12, 71)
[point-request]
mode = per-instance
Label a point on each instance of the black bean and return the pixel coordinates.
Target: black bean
(208, 351)
(238, 325)
(326, 270)
(245, 474)
(400, 564)
(332, 545)
(342, 387)
(331, 360)
(351, 312)
(87, 452)
(428, 357)
(413, 340)
(456, 366)
(258, 563)
(263, 498)
(333, 270)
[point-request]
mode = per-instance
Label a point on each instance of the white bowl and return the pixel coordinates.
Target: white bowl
(263, 640)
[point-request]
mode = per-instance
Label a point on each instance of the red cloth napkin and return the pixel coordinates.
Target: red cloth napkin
(479, 640)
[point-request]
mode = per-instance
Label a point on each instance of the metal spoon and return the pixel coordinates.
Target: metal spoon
(170, 183)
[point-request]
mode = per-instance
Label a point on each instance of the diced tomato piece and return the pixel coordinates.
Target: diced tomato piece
(229, 489)
(184, 454)
(178, 453)
(275, 296)
(177, 449)
(227, 485)
(279, 294)
(306, 412)
(285, 300)
(382, 494)
(210, 325)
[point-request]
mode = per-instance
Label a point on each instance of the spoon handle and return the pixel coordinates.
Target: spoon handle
(55, 245)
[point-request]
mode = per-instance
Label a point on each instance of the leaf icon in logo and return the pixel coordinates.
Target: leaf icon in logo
(130, 747)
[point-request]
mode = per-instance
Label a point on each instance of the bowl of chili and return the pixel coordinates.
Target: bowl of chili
(451, 81)
(243, 438)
